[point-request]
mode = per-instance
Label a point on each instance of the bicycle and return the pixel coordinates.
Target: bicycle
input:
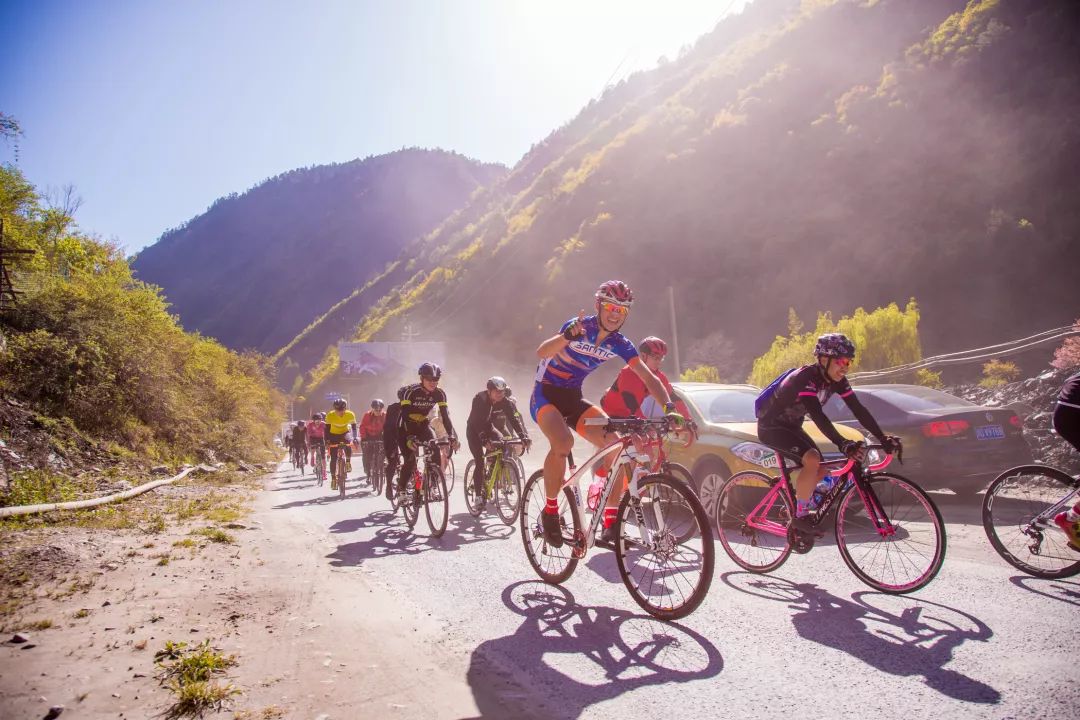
(428, 489)
(881, 518)
(1018, 510)
(320, 466)
(337, 462)
(666, 568)
(502, 483)
(376, 464)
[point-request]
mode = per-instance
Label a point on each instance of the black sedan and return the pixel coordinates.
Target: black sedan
(948, 441)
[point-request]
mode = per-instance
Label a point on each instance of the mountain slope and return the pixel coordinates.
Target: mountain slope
(255, 269)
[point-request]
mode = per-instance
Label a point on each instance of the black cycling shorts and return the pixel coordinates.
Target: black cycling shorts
(568, 401)
(789, 439)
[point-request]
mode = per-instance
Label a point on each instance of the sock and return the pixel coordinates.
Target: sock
(1073, 514)
(610, 514)
(552, 507)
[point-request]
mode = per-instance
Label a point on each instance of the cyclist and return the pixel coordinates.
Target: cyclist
(557, 405)
(299, 440)
(371, 429)
(787, 401)
(1067, 425)
(414, 425)
(626, 396)
(339, 422)
(480, 427)
(316, 436)
(391, 446)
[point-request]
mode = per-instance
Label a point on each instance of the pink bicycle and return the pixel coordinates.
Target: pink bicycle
(888, 530)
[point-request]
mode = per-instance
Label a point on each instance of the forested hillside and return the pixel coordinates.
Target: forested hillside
(816, 155)
(256, 268)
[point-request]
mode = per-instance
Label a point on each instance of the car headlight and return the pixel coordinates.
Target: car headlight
(756, 454)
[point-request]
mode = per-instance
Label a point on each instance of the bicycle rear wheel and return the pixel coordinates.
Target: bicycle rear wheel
(1018, 517)
(436, 500)
(904, 561)
(553, 564)
(508, 493)
(473, 502)
(753, 547)
(666, 576)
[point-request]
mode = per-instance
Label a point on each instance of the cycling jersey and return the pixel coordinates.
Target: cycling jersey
(299, 437)
(316, 429)
(482, 416)
(371, 425)
(338, 423)
(1070, 392)
(625, 396)
(802, 393)
(500, 417)
(416, 406)
(569, 367)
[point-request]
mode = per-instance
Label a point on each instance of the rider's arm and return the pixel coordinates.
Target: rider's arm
(444, 413)
(514, 417)
(862, 414)
(813, 407)
(652, 383)
(557, 343)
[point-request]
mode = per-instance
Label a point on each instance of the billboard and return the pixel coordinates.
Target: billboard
(387, 360)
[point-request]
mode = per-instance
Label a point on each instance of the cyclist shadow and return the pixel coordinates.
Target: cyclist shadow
(1066, 591)
(462, 529)
(327, 498)
(624, 652)
(895, 634)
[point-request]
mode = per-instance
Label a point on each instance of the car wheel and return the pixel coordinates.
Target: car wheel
(711, 474)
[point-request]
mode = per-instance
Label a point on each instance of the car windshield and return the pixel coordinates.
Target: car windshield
(914, 399)
(725, 404)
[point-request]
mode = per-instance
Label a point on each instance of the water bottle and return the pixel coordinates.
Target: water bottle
(595, 489)
(821, 490)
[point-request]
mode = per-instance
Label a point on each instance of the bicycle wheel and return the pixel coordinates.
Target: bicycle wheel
(904, 561)
(320, 469)
(667, 577)
(508, 493)
(553, 565)
(341, 478)
(1018, 517)
(410, 506)
(450, 474)
(473, 502)
(679, 472)
(760, 547)
(436, 500)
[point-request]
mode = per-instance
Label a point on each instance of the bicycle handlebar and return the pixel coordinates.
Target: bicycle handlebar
(662, 425)
(851, 461)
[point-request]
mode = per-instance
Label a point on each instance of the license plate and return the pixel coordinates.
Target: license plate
(989, 432)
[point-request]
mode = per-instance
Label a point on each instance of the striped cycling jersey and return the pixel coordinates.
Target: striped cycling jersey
(569, 367)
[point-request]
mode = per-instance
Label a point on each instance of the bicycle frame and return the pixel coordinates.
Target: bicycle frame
(494, 460)
(758, 518)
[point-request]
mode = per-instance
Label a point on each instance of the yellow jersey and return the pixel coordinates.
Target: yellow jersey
(338, 422)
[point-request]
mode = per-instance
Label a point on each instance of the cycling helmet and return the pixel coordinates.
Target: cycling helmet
(653, 345)
(834, 345)
(496, 383)
(315, 416)
(299, 423)
(430, 371)
(616, 292)
(341, 404)
(377, 404)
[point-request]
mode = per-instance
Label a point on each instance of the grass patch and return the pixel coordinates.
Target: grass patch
(193, 700)
(155, 525)
(163, 559)
(43, 624)
(216, 535)
(190, 674)
(185, 543)
(81, 613)
(38, 487)
(270, 712)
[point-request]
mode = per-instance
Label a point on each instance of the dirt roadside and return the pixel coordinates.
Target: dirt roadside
(310, 641)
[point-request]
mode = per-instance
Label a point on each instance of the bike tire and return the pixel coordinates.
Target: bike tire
(436, 500)
(508, 493)
(473, 503)
(752, 549)
(450, 474)
(341, 478)
(905, 561)
(320, 470)
(666, 504)
(553, 565)
(409, 507)
(1015, 499)
(680, 472)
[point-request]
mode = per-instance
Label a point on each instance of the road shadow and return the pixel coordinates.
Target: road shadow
(462, 529)
(609, 651)
(329, 496)
(1066, 591)
(895, 634)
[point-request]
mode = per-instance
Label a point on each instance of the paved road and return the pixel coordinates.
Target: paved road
(981, 641)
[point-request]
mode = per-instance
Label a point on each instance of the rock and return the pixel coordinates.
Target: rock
(106, 604)
(160, 470)
(18, 638)
(54, 712)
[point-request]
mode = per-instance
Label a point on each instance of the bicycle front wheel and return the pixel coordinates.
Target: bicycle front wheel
(474, 501)
(901, 561)
(664, 547)
(436, 500)
(508, 493)
(1018, 517)
(450, 474)
(553, 564)
(342, 474)
(753, 533)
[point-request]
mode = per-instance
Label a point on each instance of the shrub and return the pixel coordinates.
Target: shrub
(701, 373)
(1067, 356)
(928, 378)
(998, 372)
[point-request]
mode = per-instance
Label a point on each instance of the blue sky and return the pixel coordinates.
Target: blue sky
(154, 109)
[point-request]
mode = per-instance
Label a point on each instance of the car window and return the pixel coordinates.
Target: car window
(912, 398)
(725, 405)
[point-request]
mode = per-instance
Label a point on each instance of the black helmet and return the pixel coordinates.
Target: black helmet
(315, 416)
(341, 403)
(834, 345)
(377, 404)
(496, 383)
(430, 371)
(299, 423)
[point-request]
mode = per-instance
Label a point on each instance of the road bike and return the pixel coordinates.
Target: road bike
(428, 488)
(376, 463)
(297, 459)
(663, 542)
(1018, 516)
(337, 464)
(889, 532)
(320, 466)
(502, 481)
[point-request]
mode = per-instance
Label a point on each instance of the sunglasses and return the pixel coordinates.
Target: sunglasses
(613, 308)
(842, 362)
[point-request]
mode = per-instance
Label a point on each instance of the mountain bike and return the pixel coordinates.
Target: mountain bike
(663, 542)
(1018, 516)
(376, 464)
(337, 463)
(428, 488)
(889, 532)
(502, 481)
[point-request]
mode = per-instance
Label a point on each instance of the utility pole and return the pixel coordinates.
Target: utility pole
(407, 335)
(674, 331)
